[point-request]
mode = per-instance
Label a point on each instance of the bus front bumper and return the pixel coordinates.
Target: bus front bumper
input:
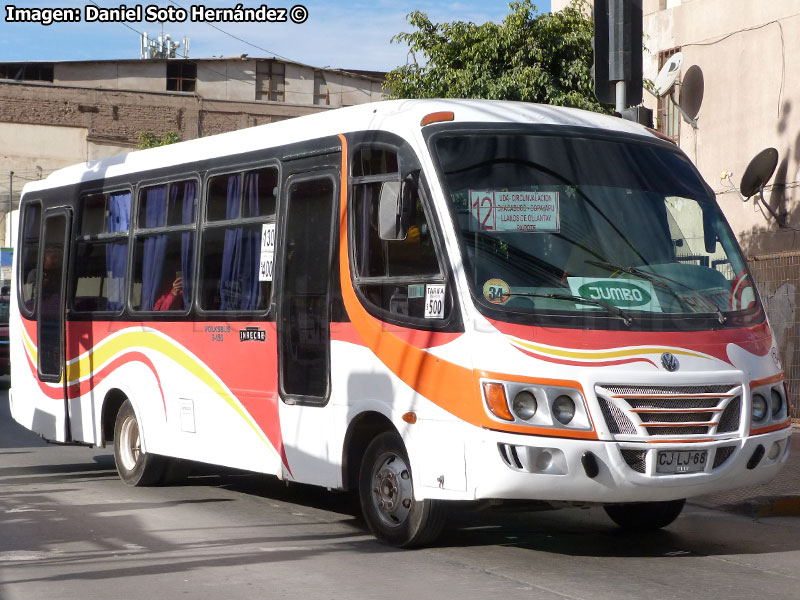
(509, 466)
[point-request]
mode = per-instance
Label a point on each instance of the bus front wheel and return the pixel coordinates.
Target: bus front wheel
(134, 466)
(386, 492)
(645, 516)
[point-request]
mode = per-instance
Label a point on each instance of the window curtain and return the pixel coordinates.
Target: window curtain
(155, 246)
(229, 286)
(188, 191)
(240, 288)
(119, 206)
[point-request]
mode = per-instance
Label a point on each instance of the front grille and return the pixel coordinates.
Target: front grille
(635, 459)
(670, 411)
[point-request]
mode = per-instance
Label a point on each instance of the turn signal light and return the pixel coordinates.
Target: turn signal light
(437, 117)
(495, 394)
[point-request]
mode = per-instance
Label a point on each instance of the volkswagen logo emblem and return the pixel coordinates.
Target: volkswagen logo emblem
(670, 362)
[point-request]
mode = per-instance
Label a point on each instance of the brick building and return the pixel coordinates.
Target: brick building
(54, 114)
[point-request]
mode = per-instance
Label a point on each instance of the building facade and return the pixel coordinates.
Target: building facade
(55, 114)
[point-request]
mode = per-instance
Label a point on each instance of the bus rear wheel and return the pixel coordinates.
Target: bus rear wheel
(645, 516)
(386, 491)
(134, 466)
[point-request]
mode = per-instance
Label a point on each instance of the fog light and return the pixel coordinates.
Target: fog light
(774, 451)
(544, 460)
(564, 409)
(759, 408)
(524, 405)
(776, 402)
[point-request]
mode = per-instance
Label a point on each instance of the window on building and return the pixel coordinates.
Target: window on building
(181, 76)
(27, 71)
(270, 80)
(164, 247)
(395, 276)
(321, 93)
(238, 241)
(102, 252)
(668, 118)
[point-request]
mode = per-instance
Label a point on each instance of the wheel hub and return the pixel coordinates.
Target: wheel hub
(392, 491)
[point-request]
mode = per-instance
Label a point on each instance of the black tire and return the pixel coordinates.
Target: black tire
(645, 516)
(134, 467)
(386, 491)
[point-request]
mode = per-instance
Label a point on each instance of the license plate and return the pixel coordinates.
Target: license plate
(674, 461)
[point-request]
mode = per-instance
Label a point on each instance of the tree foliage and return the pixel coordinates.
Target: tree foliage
(148, 139)
(529, 57)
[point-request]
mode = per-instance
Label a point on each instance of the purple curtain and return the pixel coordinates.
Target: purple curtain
(119, 220)
(155, 247)
(251, 251)
(229, 287)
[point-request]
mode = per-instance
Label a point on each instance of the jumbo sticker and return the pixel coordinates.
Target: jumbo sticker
(496, 291)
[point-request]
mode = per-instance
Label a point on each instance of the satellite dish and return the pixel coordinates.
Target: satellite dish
(691, 96)
(758, 172)
(668, 75)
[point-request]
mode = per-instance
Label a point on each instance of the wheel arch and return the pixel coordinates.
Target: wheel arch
(361, 431)
(113, 401)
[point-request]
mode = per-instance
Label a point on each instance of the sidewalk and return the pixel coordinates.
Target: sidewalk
(780, 497)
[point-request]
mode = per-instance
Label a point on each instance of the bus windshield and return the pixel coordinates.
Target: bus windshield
(583, 226)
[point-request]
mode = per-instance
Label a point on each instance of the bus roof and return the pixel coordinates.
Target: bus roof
(398, 116)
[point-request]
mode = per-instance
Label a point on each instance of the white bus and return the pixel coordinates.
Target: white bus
(427, 301)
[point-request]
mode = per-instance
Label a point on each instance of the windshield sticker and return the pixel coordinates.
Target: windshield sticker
(434, 301)
(267, 261)
(618, 292)
(496, 291)
(416, 290)
(513, 211)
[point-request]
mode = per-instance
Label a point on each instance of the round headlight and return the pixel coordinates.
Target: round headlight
(760, 407)
(776, 402)
(524, 405)
(564, 409)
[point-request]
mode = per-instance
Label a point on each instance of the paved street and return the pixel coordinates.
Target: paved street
(70, 529)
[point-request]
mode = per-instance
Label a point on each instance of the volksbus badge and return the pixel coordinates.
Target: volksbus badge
(669, 362)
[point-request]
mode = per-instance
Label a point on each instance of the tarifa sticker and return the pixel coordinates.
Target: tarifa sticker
(496, 291)
(267, 261)
(513, 211)
(618, 292)
(434, 301)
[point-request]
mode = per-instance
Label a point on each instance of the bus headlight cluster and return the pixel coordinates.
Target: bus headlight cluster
(759, 408)
(534, 405)
(769, 405)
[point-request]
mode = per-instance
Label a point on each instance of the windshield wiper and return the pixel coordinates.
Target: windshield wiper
(610, 308)
(659, 280)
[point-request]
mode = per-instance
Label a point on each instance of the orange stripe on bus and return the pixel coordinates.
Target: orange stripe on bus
(767, 380)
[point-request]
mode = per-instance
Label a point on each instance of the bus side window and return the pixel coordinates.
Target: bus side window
(391, 274)
(240, 210)
(102, 252)
(164, 260)
(31, 225)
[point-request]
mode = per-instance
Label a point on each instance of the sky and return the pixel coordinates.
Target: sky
(344, 35)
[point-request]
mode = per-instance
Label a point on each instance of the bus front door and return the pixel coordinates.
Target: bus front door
(51, 418)
(304, 344)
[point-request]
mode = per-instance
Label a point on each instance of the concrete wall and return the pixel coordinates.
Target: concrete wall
(148, 76)
(749, 53)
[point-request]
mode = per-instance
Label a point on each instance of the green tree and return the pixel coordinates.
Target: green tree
(148, 139)
(531, 57)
